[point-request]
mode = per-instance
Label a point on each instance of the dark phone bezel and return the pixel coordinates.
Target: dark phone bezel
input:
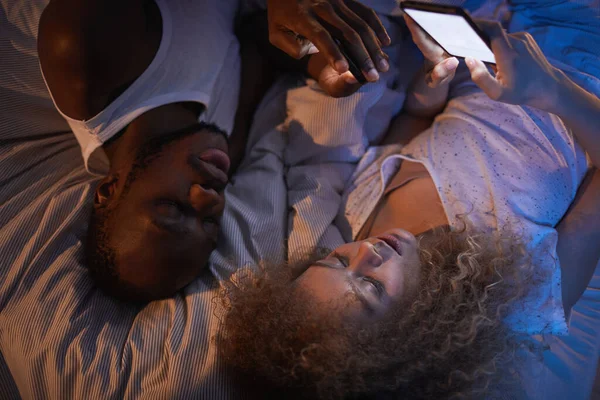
(452, 10)
(352, 67)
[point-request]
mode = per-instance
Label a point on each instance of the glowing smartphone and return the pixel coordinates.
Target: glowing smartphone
(452, 28)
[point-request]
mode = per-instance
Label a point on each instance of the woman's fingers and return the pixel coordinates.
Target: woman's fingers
(443, 72)
(523, 74)
(523, 42)
(430, 49)
(502, 46)
(482, 78)
(445, 68)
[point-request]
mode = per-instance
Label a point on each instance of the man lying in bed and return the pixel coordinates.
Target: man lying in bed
(133, 79)
(420, 312)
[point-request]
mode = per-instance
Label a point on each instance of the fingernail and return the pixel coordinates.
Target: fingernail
(341, 66)
(372, 75)
(451, 64)
(384, 65)
(312, 50)
(470, 61)
(349, 78)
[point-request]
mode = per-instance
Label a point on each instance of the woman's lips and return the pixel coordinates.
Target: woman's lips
(216, 157)
(392, 241)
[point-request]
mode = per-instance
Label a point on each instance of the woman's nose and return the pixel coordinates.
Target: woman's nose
(205, 200)
(366, 259)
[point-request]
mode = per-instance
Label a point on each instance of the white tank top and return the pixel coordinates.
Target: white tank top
(197, 61)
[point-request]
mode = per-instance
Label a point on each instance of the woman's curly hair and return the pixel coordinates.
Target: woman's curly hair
(449, 343)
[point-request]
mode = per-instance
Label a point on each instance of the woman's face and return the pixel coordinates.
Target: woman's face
(370, 275)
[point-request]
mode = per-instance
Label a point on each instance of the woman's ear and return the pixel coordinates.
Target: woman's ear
(105, 191)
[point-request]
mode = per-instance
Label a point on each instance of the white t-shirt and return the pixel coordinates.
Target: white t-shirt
(503, 166)
(197, 61)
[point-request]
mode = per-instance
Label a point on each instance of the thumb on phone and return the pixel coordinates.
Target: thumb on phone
(442, 73)
(482, 78)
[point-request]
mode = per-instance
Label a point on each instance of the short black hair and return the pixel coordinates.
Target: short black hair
(152, 148)
(100, 256)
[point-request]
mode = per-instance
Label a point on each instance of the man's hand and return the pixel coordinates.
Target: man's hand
(524, 76)
(302, 27)
(441, 68)
(332, 82)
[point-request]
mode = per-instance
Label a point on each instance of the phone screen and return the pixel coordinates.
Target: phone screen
(453, 33)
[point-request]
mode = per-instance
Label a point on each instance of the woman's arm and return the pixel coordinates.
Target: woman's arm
(525, 77)
(424, 100)
(580, 111)
(579, 241)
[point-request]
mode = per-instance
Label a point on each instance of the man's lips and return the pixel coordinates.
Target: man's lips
(392, 241)
(209, 176)
(217, 158)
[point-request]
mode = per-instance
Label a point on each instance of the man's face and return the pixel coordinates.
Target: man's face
(165, 224)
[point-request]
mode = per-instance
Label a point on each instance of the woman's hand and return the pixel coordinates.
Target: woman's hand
(302, 27)
(440, 66)
(524, 76)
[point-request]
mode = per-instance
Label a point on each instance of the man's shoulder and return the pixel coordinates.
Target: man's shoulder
(90, 49)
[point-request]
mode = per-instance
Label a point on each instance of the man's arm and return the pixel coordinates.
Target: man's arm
(297, 26)
(579, 241)
(315, 65)
(257, 77)
(261, 61)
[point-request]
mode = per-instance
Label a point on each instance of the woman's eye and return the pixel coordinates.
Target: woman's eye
(169, 210)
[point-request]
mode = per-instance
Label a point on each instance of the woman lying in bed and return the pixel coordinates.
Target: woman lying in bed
(425, 311)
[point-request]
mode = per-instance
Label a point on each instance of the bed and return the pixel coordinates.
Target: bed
(61, 338)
